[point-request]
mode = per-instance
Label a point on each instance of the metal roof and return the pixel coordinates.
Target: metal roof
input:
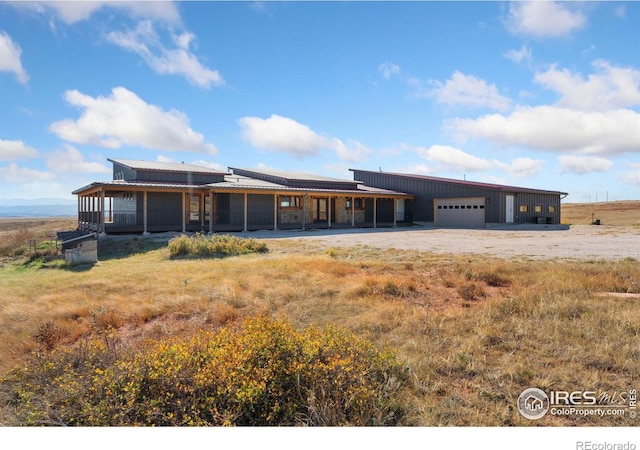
(492, 186)
(239, 183)
(161, 166)
(293, 176)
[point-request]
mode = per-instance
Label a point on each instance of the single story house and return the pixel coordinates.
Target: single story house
(147, 196)
(468, 204)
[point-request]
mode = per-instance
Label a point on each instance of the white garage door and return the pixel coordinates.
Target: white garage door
(459, 212)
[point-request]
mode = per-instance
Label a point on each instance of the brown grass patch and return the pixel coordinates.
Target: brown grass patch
(521, 324)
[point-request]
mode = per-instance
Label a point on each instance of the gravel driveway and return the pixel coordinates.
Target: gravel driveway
(577, 242)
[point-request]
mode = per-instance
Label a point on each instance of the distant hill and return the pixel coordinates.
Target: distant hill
(621, 213)
(40, 207)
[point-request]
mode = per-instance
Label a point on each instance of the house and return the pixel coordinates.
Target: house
(467, 204)
(147, 196)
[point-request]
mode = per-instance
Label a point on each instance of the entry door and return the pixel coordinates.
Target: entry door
(509, 216)
(320, 210)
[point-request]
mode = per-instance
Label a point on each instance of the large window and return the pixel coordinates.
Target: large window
(358, 203)
(290, 201)
(194, 207)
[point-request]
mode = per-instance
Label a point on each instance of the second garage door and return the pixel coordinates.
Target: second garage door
(459, 212)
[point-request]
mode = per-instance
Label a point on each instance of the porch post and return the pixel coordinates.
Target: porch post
(145, 213)
(353, 211)
(184, 212)
(94, 218)
(210, 212)
(275, 211)
(395, 213)
(304, 211)
(245, 211)
(329, 215)
(101, 215)
(375, 212)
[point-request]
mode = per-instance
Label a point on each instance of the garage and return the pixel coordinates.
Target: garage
(459, 212)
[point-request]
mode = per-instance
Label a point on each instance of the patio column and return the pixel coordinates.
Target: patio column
(145, 213)
(329, 212)
(210, 212)
(101, 215)
(184, 212)
(375, 212)
(395, 213)
(304, 211)
(245, 211)
(353, 212)
(275, 211)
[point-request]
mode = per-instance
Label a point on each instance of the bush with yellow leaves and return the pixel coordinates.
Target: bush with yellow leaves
(259, 372)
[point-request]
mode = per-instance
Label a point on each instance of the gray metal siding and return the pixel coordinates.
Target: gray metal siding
(121, 172)
(533, 200)
(426, 191)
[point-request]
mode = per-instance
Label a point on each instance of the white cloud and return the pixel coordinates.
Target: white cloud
(543, 19)
(633, 176)
(13, 150)
(388, 69)
(71, 160)
(125, 119)
(16, 174)
(612, 87)
(163, 59)
(353, 151)
(282, 134)
(468, 90)
(72, 12)
(556, 129)
(10, 54)
(524, 55)
(583, 164)
(521, 167)
(420, 169)
(454, 158)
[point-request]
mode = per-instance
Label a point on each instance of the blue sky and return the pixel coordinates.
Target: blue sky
(540, 94)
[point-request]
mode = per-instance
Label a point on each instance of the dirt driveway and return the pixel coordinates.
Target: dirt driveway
(577, 242)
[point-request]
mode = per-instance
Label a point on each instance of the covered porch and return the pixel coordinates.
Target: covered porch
(132, 208)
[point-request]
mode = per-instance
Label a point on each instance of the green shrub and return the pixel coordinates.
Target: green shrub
(256, 373)
(201, 245)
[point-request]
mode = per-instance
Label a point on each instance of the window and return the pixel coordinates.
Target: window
(538, 208)
(358, 203)
(552, 208)
(194, 208)
(290, 201)
(524, 208)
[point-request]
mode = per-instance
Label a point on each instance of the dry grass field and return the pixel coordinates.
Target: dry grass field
(471, 332)
(624, 213)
